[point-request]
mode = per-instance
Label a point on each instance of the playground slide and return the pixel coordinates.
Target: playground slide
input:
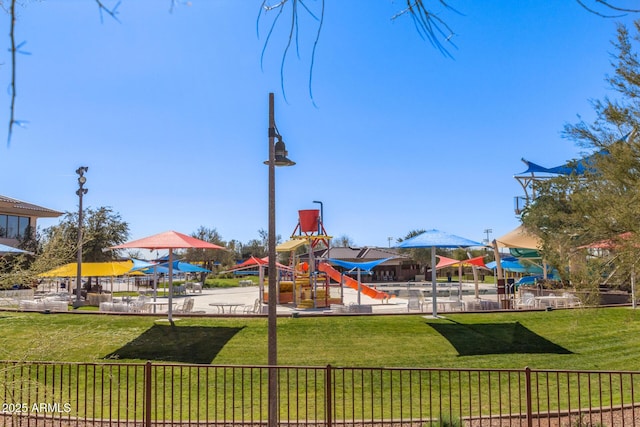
(352, 283)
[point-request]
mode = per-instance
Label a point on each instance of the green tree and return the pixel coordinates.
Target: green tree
(342, 241)
(101, 229)
(209, 257)
(571, 212)
(258, 247)
(420, 255)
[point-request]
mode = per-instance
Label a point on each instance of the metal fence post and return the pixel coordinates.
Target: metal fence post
(528, 390)
(328, 392)
(147, 394)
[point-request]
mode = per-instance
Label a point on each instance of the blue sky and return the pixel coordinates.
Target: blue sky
(170, 111)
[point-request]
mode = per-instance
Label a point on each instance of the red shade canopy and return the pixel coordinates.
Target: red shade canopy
(253, 261)
(447, 262)
(168, 240)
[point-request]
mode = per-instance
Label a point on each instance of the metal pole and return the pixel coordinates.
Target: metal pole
(434, 283)
(272, 341)
(79, 255)
(80, 192)
(321, 212)
(170, 307)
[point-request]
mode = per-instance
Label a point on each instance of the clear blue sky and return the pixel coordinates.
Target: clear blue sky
(170, 113)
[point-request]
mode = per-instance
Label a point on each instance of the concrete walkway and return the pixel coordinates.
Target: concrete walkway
(402, 293)
(247, 296)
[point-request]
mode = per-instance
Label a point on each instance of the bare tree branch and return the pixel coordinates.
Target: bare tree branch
(313, 53)
(292, 38)
(619, 9)
(595, 12)
(111, 12)
(428, 25)
(12, 37)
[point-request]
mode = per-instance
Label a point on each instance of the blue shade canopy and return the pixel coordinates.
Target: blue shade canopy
(6, 249)
(575, 167)
(365, 266)
(178, 267)
(437, 239)
(139, 264)
(515, 266)
(185, 267)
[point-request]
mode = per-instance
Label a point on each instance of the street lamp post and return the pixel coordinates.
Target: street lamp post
(80, 192)
(277, 157)
(487, 231)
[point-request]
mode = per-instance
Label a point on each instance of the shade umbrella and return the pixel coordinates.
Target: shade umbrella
(168, 240)
(436, 239)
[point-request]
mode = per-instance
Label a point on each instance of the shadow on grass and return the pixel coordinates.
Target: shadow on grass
(170, 343)
(495, 338)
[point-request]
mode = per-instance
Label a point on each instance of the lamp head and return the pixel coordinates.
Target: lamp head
(280, 157)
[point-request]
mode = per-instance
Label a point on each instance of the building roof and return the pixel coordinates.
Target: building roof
(363, 254)
(18, 207)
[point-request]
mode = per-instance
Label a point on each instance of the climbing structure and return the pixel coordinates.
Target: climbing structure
(310, 287)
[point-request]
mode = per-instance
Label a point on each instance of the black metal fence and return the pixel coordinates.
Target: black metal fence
(154, 394)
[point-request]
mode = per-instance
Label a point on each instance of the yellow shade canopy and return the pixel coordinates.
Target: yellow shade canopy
(92, 269)
(519, 237)
(290, 245)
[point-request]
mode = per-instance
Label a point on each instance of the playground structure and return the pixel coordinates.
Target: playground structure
(302, 285)
(308, 285)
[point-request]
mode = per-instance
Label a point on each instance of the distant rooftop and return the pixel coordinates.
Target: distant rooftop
(9, 205)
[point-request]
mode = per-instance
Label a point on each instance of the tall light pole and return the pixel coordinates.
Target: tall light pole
(80, 192)
(488, 231)
(277, 157)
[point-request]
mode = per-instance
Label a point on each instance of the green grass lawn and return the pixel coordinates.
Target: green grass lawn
(590, 339)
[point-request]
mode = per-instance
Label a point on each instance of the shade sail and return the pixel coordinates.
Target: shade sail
(92, 269)
(437, 239)
(290, 245)
(514, 265)
(614, 243)
(252, 262)
(186, 267)
(178, 267)
(257, 262)
(577, 167)
(364, 266)
(519, 237)
(139, 264)
(450, 262)
(10, 250)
